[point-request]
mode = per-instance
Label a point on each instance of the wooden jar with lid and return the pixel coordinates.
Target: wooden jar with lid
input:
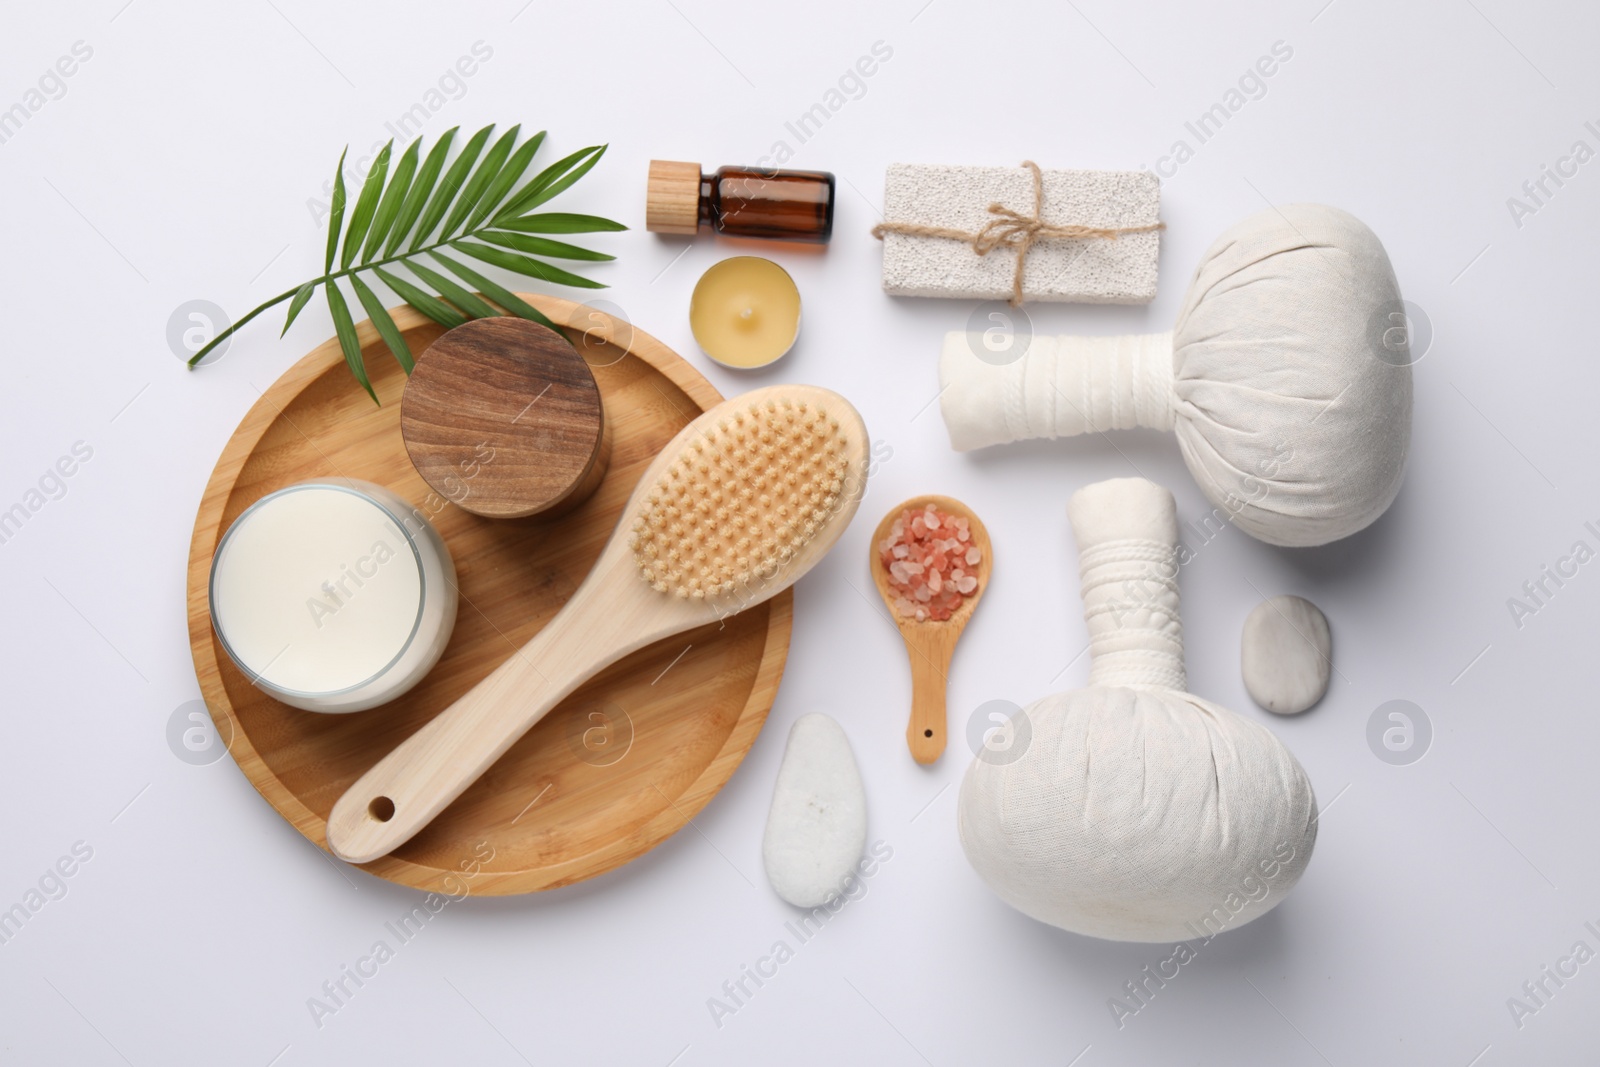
(502, 417)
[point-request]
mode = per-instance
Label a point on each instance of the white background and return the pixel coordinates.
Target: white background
(178, 165)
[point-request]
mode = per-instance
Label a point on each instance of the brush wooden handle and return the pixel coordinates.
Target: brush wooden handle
(404, 791)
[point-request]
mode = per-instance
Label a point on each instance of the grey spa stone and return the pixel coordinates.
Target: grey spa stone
(1287, 654)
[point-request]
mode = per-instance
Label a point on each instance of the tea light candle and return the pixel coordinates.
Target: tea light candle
(745, 312)
(333, 595)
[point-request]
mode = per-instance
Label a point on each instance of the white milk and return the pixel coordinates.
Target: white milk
(333, 595)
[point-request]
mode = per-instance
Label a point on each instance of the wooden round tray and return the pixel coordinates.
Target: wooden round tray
(618, 766)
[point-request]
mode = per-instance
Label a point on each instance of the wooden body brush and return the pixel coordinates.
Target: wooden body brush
(736, 508)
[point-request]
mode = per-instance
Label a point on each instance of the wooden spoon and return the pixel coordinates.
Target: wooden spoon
(931, 643)
(614, 612)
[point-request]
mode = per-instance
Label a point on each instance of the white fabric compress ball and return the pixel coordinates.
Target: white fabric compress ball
(1287, 378)
(1135, 811)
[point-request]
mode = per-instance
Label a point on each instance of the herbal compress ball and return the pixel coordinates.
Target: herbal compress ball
(1131, 810)
(1287, 378)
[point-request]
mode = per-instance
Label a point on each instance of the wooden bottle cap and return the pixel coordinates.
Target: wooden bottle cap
(672, 198)
(503, 418)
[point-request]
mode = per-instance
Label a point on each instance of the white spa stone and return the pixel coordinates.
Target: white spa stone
(1286, 654)
(1091, 271)
(818, 822)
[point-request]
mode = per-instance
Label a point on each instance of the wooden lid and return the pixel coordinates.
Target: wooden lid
(672, 199)
(502, 417)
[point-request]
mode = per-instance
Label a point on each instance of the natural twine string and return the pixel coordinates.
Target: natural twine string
(1014, 229)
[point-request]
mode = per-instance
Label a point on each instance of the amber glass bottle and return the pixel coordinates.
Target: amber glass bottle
(789, 205)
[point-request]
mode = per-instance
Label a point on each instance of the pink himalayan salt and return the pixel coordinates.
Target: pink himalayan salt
(930, 560)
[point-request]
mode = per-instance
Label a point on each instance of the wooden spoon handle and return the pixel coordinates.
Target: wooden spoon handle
(402, 793)
(930, 667)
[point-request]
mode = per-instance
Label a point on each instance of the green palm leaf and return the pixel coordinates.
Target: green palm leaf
(560, 222)
(418, 196)
(533, 268)
(509, 175)
(422, 300)
(475, 306)
(302, 297)
(393, 197)
(366, 206)
(449, 186)
(380, 318)
(479, 210)
(540, 246)
(478, 184)
(554, 179)
(345, 328)
(496, 292)
(335, 212)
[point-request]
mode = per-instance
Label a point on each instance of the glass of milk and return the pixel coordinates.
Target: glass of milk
(333, 595)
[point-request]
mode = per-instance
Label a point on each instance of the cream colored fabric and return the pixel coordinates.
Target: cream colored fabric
(1291, 413)
(1061, 387)
(1137, 812)
(1127, 530)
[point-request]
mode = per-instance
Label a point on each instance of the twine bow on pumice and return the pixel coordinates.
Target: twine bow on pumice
(1013, 229)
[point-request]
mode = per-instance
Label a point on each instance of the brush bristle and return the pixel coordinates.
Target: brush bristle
(741, 499)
